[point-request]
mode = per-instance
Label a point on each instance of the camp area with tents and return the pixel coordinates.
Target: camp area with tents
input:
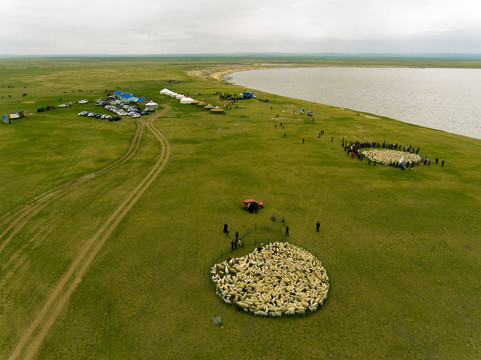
(187, 100)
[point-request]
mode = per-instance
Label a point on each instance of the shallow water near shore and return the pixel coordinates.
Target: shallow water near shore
(444, 99)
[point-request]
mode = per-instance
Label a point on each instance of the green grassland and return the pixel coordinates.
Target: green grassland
(402, 247)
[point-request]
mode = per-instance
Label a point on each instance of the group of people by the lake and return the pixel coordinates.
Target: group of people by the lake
(227, 96)
(374, 144)
(405, 162)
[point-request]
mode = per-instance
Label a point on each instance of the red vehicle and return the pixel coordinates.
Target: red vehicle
(257, 203)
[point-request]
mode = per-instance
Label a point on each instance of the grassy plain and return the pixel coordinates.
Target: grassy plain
(402, 248)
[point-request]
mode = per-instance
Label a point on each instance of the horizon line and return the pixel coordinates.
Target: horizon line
(245, 54)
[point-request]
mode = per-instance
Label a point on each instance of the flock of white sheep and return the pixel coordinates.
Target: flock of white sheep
(274, 280)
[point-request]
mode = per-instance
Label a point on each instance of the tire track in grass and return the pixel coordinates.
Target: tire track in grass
(18, 259)
(15, 221)
(33, 337)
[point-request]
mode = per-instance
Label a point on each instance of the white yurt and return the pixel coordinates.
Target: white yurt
(173, 95)
(186, 100)
(151, 105)
(179, 96)
(164, 91)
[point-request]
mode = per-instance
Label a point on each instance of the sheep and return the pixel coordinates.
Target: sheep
(275, 279)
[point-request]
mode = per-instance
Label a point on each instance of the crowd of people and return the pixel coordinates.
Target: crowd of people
(384, 145)
(229, 97)
(353, 150)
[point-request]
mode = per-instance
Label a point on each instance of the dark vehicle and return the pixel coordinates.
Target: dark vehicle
(309, 113)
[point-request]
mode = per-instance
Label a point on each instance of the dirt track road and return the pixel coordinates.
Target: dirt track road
(41, 324)
(14, 221)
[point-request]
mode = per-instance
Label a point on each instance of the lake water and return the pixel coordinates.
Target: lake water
(444, 99)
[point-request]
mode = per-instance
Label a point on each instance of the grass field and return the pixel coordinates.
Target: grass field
(107, 229)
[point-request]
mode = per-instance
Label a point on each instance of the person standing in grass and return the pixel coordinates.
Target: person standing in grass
(318, 224)
(287, 230)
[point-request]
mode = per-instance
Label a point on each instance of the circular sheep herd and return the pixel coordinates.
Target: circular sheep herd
(391, 156)
(273, 280)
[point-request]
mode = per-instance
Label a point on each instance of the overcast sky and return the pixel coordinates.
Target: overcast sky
(213, 26)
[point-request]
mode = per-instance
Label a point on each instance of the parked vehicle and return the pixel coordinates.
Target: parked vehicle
(257, 203)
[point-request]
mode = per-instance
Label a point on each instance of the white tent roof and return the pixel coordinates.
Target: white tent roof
(164, 91)
(186, 100)
(179, 96)
(151, 103)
